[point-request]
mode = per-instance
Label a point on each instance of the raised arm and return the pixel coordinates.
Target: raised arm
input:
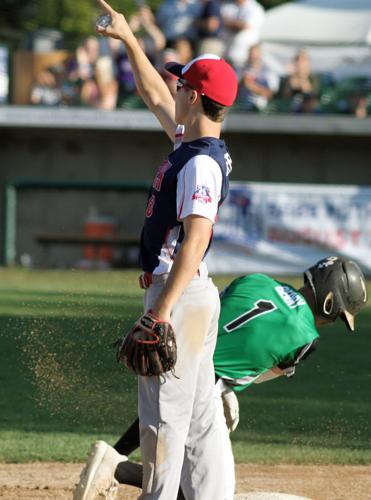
(149, 82)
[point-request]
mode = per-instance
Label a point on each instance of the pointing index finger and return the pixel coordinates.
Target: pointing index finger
(106, 6)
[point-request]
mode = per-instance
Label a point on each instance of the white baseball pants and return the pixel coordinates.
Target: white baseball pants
(182, 439)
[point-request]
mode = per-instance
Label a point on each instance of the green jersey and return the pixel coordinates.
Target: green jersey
(263, 323)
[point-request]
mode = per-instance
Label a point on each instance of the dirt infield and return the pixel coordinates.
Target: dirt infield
(54, 481)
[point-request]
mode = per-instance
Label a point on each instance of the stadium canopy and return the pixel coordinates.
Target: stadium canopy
(336, 33)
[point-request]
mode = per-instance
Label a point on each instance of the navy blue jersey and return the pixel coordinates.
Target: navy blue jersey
(163, 228)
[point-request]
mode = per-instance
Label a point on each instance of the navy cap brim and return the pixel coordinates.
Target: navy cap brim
(174, 68)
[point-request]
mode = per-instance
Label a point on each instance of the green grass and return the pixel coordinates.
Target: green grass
(61, 387)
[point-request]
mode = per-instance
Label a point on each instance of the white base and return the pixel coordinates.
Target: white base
(267, 495)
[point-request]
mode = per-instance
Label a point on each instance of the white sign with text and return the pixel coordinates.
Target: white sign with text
(284, 228)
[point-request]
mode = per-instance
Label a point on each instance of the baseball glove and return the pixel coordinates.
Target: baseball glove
(149, 348)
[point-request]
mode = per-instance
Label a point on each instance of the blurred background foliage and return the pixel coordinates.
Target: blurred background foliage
(74, 18)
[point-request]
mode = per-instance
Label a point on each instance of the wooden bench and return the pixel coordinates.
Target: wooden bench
(46, 240)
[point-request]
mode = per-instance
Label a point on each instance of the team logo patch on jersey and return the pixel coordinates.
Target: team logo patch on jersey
(291, 298)
(202, 194)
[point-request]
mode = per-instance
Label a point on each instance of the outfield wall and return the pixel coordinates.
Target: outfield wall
(73, 144)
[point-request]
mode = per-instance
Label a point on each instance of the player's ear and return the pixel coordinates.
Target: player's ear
(193, 94)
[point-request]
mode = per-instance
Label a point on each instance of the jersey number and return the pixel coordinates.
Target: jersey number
(261, 307)
(150, 205)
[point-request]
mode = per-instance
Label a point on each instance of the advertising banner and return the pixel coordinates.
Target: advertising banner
(284, 228)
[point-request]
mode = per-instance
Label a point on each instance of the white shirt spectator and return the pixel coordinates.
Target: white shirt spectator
(243, 21)
(265, 78)
(176, 18)
(258, 83)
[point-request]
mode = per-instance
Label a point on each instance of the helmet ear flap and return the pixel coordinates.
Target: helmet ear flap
(328, 304)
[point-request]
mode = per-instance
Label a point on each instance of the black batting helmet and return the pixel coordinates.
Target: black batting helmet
(339, 288)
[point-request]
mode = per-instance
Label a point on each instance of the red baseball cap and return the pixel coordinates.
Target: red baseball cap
(210, 76)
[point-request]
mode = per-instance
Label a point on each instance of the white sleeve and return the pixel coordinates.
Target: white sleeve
(179, 133)
(199, 188)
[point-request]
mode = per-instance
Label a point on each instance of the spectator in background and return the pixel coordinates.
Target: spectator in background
(358, 105)
(168, 55)
(124, 75)
(45, 90)
(184, 49)
(95, 71)
(143, 24)
(210, 25)
(152, 41)
(105, 76)
(258, 83)
(71, 83)
(86, 57)
(176, 18)
(243, 21)
(181, 52)
(300, 87)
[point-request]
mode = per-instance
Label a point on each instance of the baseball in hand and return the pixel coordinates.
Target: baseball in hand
(104, 21)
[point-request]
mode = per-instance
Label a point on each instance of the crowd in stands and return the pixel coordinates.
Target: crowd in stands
(99, 75)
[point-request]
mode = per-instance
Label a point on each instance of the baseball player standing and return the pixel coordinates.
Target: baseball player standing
(179, 434)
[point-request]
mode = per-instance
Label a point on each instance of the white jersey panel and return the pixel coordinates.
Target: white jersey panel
(199, 188)
(179, 133)
(167, 252)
